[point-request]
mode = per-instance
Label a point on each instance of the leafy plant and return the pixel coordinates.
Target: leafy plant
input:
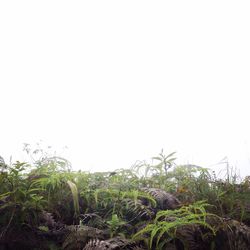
(115, 224)
(158, 204)
(167, 222)
(74, 192)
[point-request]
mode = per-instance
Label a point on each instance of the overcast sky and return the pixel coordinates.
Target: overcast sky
(117, 81)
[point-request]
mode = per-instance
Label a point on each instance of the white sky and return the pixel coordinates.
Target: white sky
(117, 81)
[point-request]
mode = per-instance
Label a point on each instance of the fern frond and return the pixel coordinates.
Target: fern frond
(170, 223)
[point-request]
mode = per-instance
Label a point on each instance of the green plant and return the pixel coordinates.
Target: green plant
(74, 192)
(20, 200)
(168, 222)
(155, 173)
(115, 224)
(47, 200)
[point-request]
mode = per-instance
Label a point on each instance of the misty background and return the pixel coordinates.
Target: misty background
(116, 82)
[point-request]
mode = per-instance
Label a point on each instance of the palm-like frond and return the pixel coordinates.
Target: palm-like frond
(93, 220)
(78, 236)
(112, 244)
(231, 234)
(135, 210)
(164, 200)
(47, 219)
(96, 244)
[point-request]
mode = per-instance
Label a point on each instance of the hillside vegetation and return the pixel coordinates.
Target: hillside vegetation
(158, 205)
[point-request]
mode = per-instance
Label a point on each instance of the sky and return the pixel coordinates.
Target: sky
(117, 81)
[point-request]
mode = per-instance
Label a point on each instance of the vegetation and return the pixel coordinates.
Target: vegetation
(47, 205)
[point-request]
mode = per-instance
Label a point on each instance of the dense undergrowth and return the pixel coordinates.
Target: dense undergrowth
(46, 205)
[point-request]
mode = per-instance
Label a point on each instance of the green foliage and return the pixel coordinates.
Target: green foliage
(159, 203)
(78, 236)
(115, 224)
(74, 192)
(20, 201)
(168, 222)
